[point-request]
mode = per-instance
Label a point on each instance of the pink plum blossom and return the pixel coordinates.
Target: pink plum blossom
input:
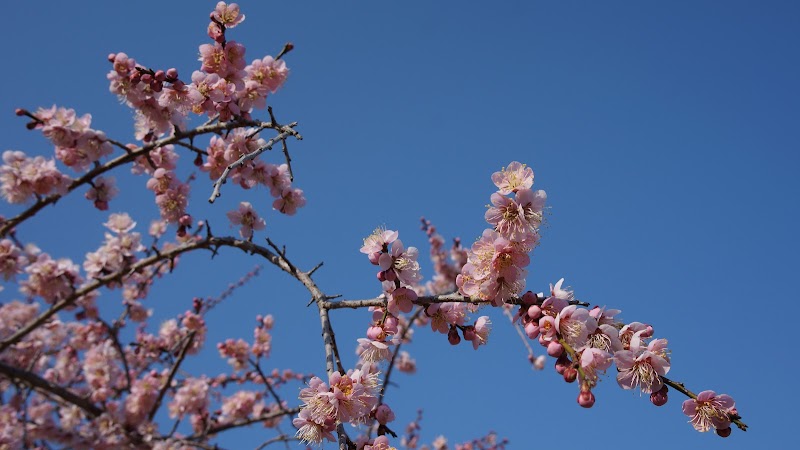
(643, 366)
(227, 14)
(709, 410)
(512, 178)
(247, 217)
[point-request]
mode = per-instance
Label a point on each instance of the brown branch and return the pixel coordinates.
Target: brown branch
(243, 423)
(9, 224)
(181, 355)
(396, 352)
(42, 385)
(209, 243)
(427, 300)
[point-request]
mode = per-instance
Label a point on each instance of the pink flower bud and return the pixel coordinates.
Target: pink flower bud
(384, 414)
(374, 257)
(185, 220)
(469, 333)
(160, 75)
(172, 73)
(390, 324)
(724, 432)
(659, 398)
(381, 276)
(570, 374)
(586, 399)
(111, 57)
(532, 330)
(534, 312)
(453, 337)
(376, 333)
(554, 348)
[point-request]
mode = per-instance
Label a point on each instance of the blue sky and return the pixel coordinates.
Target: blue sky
(665, 134)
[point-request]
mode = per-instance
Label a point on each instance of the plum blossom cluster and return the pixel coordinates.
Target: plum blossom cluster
(346, 398)
(77, 145)
(225, 86)
(399, 273)
(495, 269)
(586, 342)
(225, 151)
(23, 177)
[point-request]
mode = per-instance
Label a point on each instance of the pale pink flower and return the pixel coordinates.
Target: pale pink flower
(247, 217)
(575, 324)
(373, 351)
(709, 410)
(402, 261)
(380, 443)
(102, 191)
(483, 326)
(144, 393)
(289, 201)
(53, 280)
(312, 430)
(236, 352)
(120, 223)
(643, 366)
(227, 14)
(405, 363)
(240, 405)
(191, 398)
(268, 72)
(512, 178)
(378, 241)
(12, 260)
(384, 414)
(401, 300)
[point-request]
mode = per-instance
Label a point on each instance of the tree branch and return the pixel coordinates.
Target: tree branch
(42, 385)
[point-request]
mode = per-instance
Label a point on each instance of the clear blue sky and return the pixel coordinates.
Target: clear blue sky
(665, 134)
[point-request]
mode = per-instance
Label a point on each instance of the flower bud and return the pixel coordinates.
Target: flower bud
(469, 333)
(659, 398)
(724, 432)
(554, 348)
(532, 330)
(374, 258)
(570, 374)
(172, 73)
(376, 333)
(453, 337)
(384, 414)
(534, 312)
(586, 399)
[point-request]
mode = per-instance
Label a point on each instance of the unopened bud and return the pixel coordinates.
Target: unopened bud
(724, 432)
(659, 398)
(586, 399)
(554, 348)
(570, 374)
(453, 337)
